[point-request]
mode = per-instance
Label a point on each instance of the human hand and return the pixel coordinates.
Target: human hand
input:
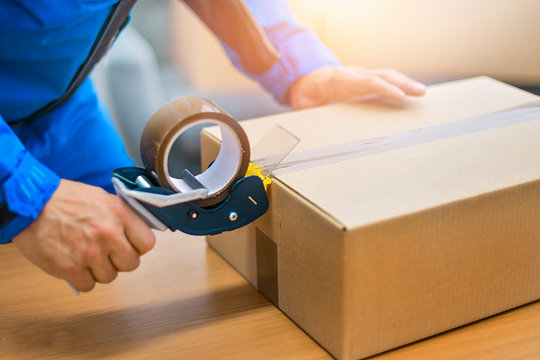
(331, 84)
(85, 235)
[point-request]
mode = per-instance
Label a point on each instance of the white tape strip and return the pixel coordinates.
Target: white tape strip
(366, 147)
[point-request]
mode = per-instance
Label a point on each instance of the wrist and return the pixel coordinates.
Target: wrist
(23, 194)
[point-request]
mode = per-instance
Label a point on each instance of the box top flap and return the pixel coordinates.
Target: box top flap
(383, 185)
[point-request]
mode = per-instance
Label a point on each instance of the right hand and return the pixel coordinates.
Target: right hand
(85, 235)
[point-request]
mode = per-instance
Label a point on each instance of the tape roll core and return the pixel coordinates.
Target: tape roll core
(172, 120)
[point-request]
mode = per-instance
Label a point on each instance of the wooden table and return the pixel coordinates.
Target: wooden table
(185, 302)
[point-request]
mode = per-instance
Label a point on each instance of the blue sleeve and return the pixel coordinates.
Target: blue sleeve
(302, 52)
(25, 185)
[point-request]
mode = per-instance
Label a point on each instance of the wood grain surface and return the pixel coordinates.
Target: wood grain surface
(185, 302)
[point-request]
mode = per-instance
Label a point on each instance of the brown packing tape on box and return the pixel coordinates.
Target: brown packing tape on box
(170, 121)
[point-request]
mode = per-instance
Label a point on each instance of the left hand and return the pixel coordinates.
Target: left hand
(331, 84)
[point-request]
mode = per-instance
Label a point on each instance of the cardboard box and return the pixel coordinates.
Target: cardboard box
(378, 251)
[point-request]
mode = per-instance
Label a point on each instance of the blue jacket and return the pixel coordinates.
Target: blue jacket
(42, 44)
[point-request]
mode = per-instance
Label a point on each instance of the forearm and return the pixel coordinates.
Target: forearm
(301, 51)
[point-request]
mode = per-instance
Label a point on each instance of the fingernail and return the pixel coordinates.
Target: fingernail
(419, 87)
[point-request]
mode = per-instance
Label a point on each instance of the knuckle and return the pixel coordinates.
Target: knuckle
(119, 208)
(372, 80)
(116, 205)
(104, 229)
(67, 268)
(89, 252)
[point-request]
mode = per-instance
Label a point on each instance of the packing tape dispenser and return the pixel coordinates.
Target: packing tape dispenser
(229, 194)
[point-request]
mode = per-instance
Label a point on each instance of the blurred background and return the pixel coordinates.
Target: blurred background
(167, 52)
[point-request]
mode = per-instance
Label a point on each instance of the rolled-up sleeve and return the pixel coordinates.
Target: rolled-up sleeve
(301, 50)
(25, 185)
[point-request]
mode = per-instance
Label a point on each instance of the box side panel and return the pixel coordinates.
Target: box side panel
(431, 271)
(310, 268)
(293, 255)
(238, 248)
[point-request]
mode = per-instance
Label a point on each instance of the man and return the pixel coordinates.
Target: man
(58, 146)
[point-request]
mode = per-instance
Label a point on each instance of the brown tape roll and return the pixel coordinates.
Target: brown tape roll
(173, 119)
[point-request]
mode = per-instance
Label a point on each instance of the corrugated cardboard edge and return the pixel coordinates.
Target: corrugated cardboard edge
(310, 273)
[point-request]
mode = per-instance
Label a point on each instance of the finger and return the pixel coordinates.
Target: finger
(140, 236)
(300, 102)
(103, 270)
(125, 258)
(347, 85)
(81, 279)
(405, 83)
(122, 254)
(362, 85)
